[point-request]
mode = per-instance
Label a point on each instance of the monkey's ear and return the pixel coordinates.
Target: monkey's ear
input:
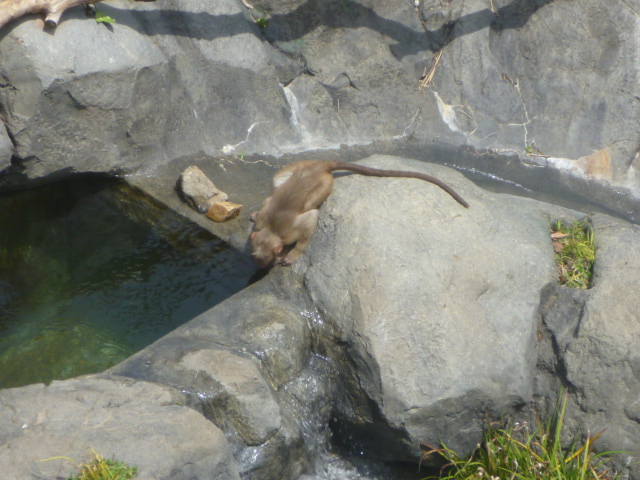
(277, 249)
(253, 235)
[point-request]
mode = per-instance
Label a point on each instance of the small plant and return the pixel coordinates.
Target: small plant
(532, 149)
(103, 18)
(516, 453)
(575, 253)
(262, 22)
(100, 469)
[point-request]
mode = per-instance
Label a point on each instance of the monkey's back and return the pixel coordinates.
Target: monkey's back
(307, 185)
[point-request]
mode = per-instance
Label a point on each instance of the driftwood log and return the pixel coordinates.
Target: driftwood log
(52, 9)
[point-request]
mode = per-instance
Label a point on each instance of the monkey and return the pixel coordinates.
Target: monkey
(286, 220)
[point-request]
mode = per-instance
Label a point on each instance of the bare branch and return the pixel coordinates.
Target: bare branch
(53, 9)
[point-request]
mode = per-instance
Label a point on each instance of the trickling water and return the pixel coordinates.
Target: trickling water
(336, 467)
(311, 398)
(92, 271)
(295, 111)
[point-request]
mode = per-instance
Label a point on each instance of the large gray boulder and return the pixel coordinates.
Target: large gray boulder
(437, 304)
(47, 430)
(164, 81)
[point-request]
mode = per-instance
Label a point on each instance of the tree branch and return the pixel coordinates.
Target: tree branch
(53, 9)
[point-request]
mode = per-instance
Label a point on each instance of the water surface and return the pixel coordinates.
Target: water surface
(91, 271)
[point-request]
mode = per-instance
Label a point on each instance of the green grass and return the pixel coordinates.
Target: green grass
(100, 469)
(575, 253)
(516, 453)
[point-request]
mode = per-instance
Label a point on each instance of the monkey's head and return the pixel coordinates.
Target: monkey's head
(266, 247)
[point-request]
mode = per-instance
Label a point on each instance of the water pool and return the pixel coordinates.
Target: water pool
(92, 270)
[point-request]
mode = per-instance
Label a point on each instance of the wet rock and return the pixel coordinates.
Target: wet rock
(6, 148)
(142, 424)
(198, 190)
(233, 362)
(244, 398)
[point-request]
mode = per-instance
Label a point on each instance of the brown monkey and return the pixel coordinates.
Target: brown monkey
(290, 214)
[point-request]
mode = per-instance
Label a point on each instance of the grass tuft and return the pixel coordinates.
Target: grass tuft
(98, 468)
(516, 453)
(575, 253)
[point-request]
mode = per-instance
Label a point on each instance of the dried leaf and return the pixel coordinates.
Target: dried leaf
(556, 235)
(557, 247)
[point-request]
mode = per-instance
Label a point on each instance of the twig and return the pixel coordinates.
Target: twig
(426, 79)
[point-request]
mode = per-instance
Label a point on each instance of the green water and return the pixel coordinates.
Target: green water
(91, 271)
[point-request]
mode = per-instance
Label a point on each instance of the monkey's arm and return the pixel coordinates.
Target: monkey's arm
(259, 218)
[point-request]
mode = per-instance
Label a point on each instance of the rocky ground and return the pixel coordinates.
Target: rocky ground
(409, 318)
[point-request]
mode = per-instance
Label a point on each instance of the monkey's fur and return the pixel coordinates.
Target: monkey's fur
(289, 216)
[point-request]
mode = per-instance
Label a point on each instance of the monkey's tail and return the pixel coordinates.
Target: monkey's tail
(377, 172)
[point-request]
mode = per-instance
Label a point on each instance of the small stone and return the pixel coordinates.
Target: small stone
(198, 191)
(223, 211)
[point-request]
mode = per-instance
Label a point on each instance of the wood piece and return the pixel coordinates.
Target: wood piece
(223, 211)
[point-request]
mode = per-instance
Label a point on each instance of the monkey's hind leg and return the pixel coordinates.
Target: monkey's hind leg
(319, 192)
(304, 225)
